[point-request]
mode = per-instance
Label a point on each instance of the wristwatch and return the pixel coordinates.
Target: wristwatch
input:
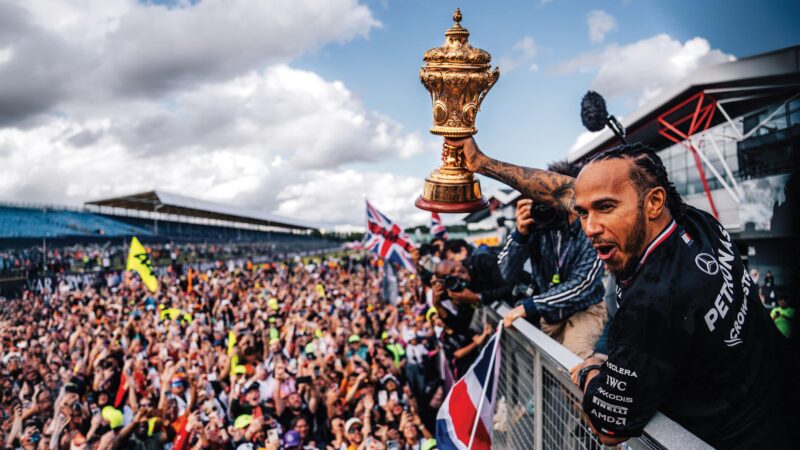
(583, 373)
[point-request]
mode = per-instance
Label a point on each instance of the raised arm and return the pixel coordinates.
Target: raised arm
(542, 186)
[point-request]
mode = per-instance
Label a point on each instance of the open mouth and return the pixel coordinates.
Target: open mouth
(605, 251)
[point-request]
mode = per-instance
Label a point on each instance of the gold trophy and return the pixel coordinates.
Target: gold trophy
(458, 77)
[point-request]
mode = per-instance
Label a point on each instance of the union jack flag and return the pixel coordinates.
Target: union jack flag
(437, 228)
(387, 240)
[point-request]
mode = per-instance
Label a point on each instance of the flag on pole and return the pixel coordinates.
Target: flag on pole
(438, 229)
(389, 289)
(189, 281)
(139, 261)
(464, 421)
(387, 239)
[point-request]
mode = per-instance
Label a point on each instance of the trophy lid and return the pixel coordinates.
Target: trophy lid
(456, 51)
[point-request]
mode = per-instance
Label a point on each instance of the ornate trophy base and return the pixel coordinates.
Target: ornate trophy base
(451, 190)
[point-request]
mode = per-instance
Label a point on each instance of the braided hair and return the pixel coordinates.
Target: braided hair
(647, 172)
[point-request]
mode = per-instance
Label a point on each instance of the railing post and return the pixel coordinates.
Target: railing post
(538, 439)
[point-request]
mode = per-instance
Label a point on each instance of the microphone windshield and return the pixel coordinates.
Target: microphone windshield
(593, 111)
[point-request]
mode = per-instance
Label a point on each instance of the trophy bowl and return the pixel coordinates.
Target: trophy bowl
(458, 77)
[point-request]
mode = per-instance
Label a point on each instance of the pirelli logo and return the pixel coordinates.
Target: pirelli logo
(609, 407)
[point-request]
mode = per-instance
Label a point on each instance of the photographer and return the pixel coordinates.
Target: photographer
(566, 292)
(484, 281)
(458, 289)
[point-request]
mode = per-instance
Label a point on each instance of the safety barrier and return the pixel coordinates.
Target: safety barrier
(538, 406)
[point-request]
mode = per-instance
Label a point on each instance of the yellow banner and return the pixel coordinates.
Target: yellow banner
(139, 261)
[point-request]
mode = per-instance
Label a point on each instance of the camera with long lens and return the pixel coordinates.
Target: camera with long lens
(546, 217)
(454, 284)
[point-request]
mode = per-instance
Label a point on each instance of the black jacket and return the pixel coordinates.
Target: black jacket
(690, 339)
(486, 278)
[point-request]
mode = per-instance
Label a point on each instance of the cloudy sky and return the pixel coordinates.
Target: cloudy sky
(305, 107)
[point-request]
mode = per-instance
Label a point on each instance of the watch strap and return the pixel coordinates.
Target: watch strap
(583, 373)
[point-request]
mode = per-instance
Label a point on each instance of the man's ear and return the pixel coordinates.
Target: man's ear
(655, 203)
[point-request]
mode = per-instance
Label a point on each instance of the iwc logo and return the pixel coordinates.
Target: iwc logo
(707, 263)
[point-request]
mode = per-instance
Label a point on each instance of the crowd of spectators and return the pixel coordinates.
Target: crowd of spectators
(281, 355)
(284, 355)
(82, 257)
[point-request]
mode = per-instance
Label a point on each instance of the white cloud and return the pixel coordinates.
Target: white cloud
(522, 54)
(582, 139)
(110, 97)
(5, 54)
(600, 23)
(311, 122)
(238, 141)
(641, 70)
(96, 50)
(329, 195)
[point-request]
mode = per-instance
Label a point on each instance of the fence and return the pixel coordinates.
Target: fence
(538, 406)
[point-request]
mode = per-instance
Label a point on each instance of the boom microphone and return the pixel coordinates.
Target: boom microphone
(595, 116)
(593, 111)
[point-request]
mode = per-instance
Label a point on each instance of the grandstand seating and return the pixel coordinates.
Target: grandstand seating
(29, 222)
(192, 232)
(74, 227)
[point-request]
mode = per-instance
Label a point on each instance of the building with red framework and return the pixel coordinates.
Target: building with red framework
(729, 136)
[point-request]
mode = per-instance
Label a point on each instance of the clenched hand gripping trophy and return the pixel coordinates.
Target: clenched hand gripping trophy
(458, 77)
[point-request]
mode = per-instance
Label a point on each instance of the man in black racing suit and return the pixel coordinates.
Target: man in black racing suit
(689, 338)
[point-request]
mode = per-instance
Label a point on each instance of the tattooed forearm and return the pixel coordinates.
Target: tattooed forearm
(540, 185)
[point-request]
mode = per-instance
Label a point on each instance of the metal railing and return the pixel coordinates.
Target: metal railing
(538, 407)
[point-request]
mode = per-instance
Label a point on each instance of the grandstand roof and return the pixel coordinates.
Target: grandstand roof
(740, 85)
(167, 203)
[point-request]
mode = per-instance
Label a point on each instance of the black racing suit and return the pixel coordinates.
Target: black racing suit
(690, 339)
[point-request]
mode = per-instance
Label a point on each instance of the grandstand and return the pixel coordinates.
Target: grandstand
(155, 216)
(31, 222)
(41, 240)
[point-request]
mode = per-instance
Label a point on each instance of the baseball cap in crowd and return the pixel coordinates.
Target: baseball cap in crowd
(429, 444)
(75, 386)
(10, 356)
(431, 312)
(113, 416)
(389, 378)
(178, 381)
(273, 304)
(292, 439)
(353, 421)
(354, 338)
(242, 421)
(254, 386)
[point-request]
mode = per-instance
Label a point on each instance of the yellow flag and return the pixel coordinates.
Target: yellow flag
(139, 261)
(231, 342)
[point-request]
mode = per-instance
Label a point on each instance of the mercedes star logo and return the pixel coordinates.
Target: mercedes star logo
(707, 263)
